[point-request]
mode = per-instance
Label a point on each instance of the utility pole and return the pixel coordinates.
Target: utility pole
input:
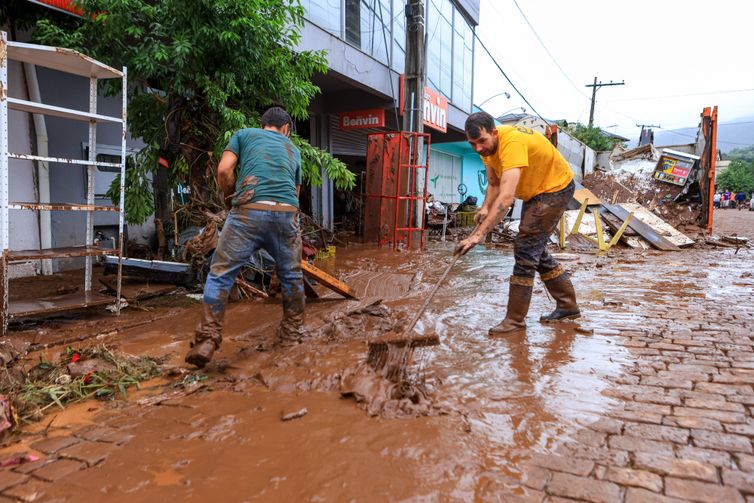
(413, 101)
(642, 140)
(594, 87)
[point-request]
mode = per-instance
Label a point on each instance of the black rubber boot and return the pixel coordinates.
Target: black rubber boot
(519, 297)
(564, 294)
(207, 337)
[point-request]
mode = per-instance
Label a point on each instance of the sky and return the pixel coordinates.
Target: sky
(675, 56)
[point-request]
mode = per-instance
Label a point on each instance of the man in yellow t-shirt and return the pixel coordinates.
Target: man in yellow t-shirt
(522, 163)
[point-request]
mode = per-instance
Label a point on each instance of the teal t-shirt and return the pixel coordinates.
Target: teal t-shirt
(269, 167)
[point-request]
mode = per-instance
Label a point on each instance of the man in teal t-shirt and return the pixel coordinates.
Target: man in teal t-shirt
(259, 176)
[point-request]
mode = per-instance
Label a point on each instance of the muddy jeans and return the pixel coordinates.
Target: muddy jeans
(244, 233)
(539, 219)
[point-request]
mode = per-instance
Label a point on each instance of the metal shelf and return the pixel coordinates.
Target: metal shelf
(61, 59)
(65, 252)
(66, 113)
(58, 303)
(29, 157)
(71, 62)
(60, 207)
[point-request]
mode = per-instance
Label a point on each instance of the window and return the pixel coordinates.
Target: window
(324, 13)
(450, 48)
(398, 62)
(368, 26)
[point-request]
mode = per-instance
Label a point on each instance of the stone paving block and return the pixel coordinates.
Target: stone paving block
(744, 462)
(58, 469)
(659, 398)
(716, 405)
(637, 478)
(681, 468)
(719, 415)
(649, 408)
(572, 486)
(741, 429)
(90, 453)
(701, 491)
(667, 382)
(606, 425)
(591, 438)
(9, 479)
(657, 432)
(27, 468)
(562, 464)
(629, 415)
(33, 490)
(726, 378)
(738, 479)
(742, 399)
(601, 455)
(711, 456)
(104, 434)
(637, 444)
(53, 445)
(635, 495)
(722, 441)
(699, 423)
(536, 477)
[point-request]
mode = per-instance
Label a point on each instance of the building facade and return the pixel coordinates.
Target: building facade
(365, 45)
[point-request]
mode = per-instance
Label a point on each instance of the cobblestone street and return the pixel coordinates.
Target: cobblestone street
(648, 398)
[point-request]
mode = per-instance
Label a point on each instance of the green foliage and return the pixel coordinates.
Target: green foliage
(593, 137)
(199, 71)
(745, 154)
(139, 199)
(739, 176)
(312, 159)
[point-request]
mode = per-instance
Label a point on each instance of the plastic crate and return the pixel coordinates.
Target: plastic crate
(465, 218)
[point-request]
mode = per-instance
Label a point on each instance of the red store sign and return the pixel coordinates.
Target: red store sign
(362, 119)
(435, 108)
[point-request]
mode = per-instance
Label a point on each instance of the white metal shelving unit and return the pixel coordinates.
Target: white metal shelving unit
(68, 61)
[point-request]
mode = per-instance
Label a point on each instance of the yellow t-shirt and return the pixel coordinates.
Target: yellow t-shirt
(543, 168)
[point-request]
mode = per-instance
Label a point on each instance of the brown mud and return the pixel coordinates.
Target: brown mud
(473, 410)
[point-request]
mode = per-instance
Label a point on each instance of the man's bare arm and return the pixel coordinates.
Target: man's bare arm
(226, 176)
(493, 189)
(504, 200)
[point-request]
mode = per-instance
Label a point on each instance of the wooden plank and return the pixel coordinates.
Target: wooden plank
(659, 225)
(584, 194)
(329, 281)
(641, 228)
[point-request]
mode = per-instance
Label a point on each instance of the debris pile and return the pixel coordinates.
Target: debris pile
(98, 372)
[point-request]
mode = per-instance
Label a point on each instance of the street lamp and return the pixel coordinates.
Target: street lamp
(506, 93)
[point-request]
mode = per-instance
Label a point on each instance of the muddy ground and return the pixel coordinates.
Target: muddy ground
(646, 396)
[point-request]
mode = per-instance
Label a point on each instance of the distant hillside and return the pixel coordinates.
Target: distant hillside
(731, 134)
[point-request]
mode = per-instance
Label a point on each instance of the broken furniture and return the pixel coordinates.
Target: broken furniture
(72, 62)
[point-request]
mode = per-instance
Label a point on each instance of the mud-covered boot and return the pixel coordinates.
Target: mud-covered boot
(291, 330)
(519, 297)
(207, 337)
(564, 294)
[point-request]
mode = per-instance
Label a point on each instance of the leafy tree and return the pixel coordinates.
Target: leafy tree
(739, 176)
(197, 72)
(745, 154)
(591, 136)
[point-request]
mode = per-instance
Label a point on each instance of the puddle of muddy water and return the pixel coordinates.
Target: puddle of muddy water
(501, 398)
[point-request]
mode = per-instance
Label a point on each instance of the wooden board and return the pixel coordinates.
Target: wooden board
(644, 230)
(659, 225)
(329, 281)
(583, 194)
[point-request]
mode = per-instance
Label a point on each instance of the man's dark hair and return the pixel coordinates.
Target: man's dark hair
(478, 121)
(276, 117)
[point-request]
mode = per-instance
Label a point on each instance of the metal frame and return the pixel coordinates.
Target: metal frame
(67, 61)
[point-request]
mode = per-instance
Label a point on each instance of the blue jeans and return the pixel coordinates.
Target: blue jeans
(245, 232)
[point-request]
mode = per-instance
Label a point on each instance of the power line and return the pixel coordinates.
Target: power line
(683, 95)
(547, 50)
(531, 107)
